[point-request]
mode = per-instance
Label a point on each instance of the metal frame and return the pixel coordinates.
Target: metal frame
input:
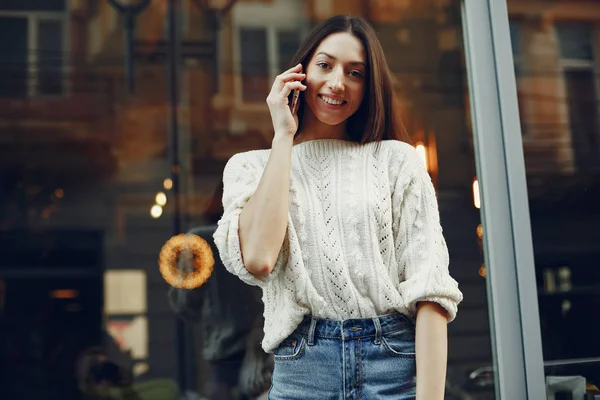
(512, 291)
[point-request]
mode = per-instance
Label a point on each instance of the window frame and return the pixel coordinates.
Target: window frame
(33, 20)
(512, 289)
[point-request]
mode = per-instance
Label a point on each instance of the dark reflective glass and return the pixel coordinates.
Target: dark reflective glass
(559, 103)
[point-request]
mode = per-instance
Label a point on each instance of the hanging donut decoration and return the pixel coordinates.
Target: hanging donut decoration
(172, 251)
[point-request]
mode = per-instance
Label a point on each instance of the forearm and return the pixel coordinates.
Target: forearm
(263, 221)
(431, 351)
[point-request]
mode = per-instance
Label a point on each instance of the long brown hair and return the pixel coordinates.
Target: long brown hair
(378, 117)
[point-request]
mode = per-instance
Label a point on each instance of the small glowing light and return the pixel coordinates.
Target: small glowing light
(482, 271)
(161, 199)
(59, 193)
(566, 307)
(422, 152)
(480, 231)
(156, 211)
(476, 199)
(46, 213)
(168, 184)
(64, 294)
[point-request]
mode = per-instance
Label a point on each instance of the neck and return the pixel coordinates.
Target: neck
(313, 129)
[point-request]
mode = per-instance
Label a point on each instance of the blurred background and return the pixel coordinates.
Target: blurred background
(118, 116)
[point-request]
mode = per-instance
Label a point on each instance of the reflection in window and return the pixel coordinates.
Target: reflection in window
(50, 56)
(578, 69)
(516, 37)
(575, 41)
(125, 309)
(264, 53)
(515, 40)
(254, 64)
(33, 5)
(33, 60)
(13, 69)
(288, 42)
(562, 156)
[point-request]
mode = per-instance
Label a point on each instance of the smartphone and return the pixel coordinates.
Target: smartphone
(295, 97)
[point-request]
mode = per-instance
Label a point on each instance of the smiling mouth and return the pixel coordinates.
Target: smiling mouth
(332, 102)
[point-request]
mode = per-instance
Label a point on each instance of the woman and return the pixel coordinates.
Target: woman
(339, 226)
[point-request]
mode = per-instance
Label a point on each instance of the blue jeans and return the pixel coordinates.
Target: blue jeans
(344, 360)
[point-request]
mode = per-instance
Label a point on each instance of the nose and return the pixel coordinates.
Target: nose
(336, 81)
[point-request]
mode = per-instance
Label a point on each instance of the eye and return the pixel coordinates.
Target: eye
(356, 74)
(322, 64)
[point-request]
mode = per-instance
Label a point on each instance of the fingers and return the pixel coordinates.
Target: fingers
(289, 87)
(282, 79)
(291, 77)
(285, 83)
(294, 73)
(295, 68)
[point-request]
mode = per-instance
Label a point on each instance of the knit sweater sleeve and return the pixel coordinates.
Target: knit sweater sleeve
(421, 249)
(240, 180)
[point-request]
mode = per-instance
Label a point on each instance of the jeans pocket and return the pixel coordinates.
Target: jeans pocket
(400, 343)
(290, 349)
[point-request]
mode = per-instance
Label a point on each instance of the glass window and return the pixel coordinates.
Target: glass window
(264, 50)
(515, 40)
(33, 5)
(516, 37)
(563, 177)
(50, 57)
(34, 58)
(582, 109)
(14, 66)
(254, 64)
(575, 41)
(287, 43)
(95, 186)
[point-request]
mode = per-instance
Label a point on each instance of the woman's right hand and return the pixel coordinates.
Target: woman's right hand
(284, 122)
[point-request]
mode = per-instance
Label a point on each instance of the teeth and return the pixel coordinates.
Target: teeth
(331, 101)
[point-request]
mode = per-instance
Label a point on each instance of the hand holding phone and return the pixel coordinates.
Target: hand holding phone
(283, 100)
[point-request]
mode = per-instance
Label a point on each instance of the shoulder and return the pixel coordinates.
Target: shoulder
(245, 168)
(251, 159)
(402, 157)
(249, 156)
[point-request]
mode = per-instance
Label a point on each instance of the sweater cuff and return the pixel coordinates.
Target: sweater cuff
(442, 290)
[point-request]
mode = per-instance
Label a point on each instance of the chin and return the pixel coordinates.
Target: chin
(329, 117)
(332, 118)
(329, 120)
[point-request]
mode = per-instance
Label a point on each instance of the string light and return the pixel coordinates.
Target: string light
(156, 211)
(482, 271)
(161, 199)
(203, 261)
(476, 199)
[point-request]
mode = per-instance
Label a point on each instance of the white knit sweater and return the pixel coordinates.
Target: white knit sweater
(363, 238)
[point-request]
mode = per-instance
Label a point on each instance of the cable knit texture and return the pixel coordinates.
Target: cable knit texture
(363, 239)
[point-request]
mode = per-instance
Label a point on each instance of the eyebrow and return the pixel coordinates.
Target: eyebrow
(335, 58)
